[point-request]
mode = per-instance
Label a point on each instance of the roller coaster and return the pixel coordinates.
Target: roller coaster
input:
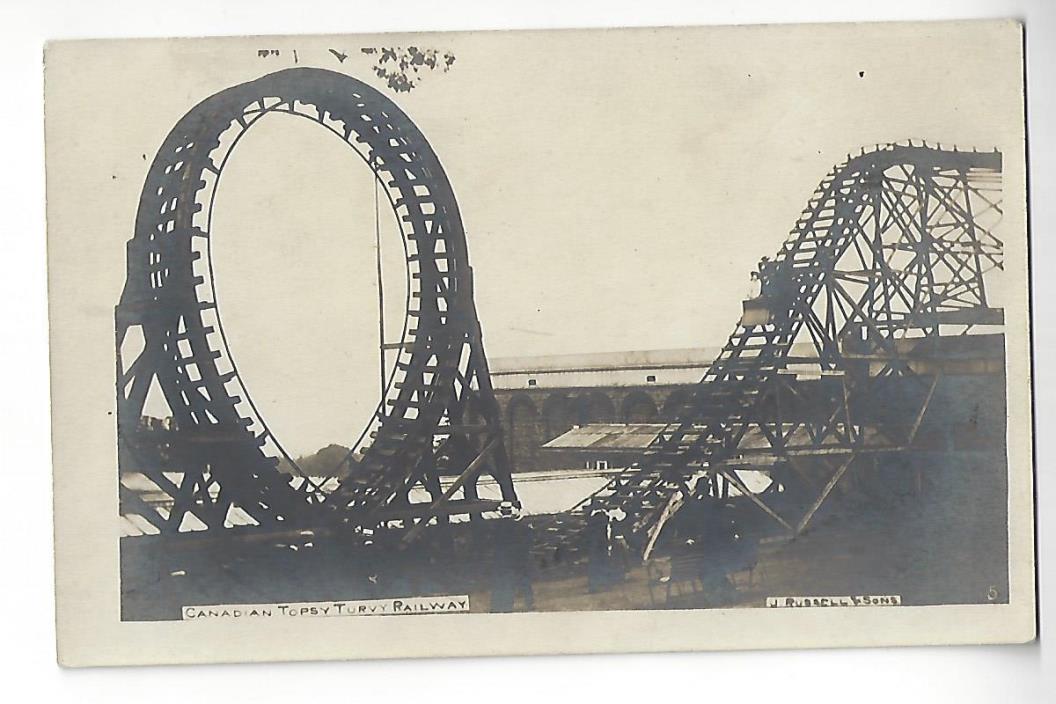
(883, 276)
(437, 415)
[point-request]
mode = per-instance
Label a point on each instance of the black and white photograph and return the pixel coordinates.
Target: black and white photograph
(401, 331)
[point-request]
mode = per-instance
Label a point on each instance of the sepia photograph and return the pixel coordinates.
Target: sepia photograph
(659, 324)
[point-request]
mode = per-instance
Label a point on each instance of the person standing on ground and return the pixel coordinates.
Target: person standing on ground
(511, 560)
(599, 545)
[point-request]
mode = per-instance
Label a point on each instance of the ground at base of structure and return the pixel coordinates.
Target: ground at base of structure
(946, 548)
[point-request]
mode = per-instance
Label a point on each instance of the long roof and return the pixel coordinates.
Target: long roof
(610, 437)
(678, 358)
(646, 359)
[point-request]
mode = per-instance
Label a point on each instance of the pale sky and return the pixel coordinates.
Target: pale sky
(616, 187)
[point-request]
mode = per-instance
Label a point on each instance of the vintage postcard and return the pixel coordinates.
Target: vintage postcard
(539, 342)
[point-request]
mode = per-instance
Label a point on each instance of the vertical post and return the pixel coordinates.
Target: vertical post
(971, 228)
(381, 291)
(488, 405)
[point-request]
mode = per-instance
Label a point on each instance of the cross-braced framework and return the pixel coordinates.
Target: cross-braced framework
(212, 462)
(887, 262)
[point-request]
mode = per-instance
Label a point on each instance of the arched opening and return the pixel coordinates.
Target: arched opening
(674, 404)
(595, 407)
(558, 416)
(525, 433)
(638, 407)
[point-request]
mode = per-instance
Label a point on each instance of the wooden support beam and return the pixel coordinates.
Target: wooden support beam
(923, 409)
(736, 481)
(131, 502)
(426, 512)
(804, 451)
(837, 475)
(674, 502)
(472, 469)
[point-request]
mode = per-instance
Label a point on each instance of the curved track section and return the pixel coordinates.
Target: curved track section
(892, 246)
(438, 416)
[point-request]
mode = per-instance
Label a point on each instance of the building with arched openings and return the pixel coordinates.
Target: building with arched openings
(543, 397)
